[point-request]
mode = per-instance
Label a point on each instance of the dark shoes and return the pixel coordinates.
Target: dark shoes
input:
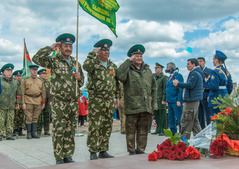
(104, 154)
(139, 152)
(0, 138)
(154, 132)
(68, 160)
(93, 156)
(60, 162)
(161, 134)
(47, 134)
(20, 133)
(10, 138)
(132, 153)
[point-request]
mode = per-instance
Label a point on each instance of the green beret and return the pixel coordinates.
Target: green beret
(104, 44)
(158, 65)
(7, 66)
(66, 38)
(17, 73)
(41, 71)
(33, 66)
(136, 49)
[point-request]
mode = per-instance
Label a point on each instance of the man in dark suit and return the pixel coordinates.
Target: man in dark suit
(204, 110)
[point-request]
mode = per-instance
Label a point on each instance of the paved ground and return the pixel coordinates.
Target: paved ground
(38, 153)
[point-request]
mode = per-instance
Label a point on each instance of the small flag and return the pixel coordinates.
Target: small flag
(26, 62)
(103, 10)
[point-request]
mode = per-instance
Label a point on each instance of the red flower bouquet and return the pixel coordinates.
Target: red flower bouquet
(174, 149)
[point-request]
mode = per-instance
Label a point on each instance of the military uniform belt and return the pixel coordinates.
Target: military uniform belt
(222, 87)
(33, 96)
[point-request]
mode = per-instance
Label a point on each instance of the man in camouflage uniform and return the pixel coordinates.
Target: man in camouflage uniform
(121, 110)
(160, 115)
(102, 88)
(44, 117)
(19, 114)
(33, 100)
(63, 90)
(140, 96)
(9, 100)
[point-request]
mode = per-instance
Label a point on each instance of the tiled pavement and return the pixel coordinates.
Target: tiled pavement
(38, 153)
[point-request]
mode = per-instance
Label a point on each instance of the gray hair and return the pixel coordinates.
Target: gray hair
(172, 65)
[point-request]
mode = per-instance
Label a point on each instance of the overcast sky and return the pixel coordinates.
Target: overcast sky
(165, 27)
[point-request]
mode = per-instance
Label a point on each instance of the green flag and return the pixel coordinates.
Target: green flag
(103, 10)
(26, 62)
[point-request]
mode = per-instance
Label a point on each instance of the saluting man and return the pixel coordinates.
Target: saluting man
(9, 100)
(140, 96)
(103, 87)
(63, 90)
(33, 100)
(19, 114)
(45, 114)
(160, 115)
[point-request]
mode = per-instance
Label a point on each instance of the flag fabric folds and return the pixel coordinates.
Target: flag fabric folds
(26, 62)
(103, 10)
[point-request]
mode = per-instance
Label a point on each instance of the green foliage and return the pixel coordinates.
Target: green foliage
(227, 121)
(173, 138)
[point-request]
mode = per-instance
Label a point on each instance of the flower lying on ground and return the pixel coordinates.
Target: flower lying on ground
(174, 150)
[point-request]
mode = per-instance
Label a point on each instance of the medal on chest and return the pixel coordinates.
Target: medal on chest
(111, 71)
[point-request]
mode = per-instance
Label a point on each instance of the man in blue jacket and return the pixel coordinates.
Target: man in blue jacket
(193, 93)
(204, 110)
(174, 98)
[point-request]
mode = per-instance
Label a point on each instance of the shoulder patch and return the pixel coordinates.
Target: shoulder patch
(212, 77)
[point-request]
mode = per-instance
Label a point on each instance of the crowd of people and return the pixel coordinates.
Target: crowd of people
(184, 106)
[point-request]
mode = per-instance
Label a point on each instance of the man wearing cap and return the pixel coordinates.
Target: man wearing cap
(103, 87)
(204, 110)
(33, 100)
(140, 96)
(44, 116)
(219, 82)
(64, 77)
(19, 114)
(9, 100)
(160, 115)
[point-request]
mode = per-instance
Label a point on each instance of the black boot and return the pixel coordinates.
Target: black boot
(34, 129)
(93, 156)
(29, 129)
(15, 132)
(104, 154)
(20, 132)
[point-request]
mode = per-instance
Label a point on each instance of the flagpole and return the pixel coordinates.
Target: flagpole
(77, 45)
(24, 54)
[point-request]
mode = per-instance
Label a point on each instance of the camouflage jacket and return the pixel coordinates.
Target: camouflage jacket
(140, 90)
(63, 83)
(11, 93)
(101, 81)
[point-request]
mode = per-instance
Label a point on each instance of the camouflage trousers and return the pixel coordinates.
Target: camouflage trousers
(6, 122)
(19, 119)
(64, 119)
(100, 119)
(122, 117)
(137, 124)
(44, 118)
